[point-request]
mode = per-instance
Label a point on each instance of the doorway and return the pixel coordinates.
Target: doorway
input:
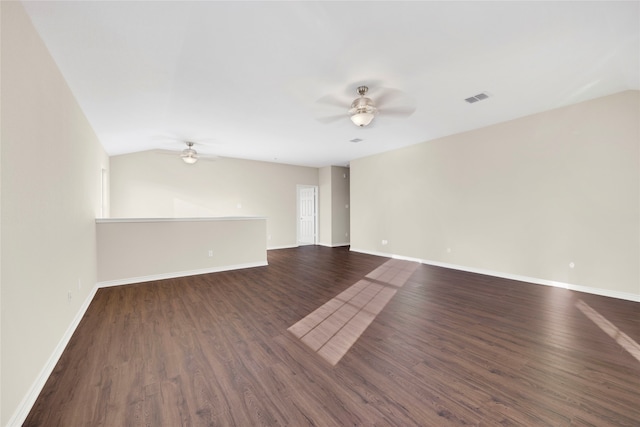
(307, 214)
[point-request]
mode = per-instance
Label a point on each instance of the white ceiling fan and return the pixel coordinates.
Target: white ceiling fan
(189, 155)
(362, 110)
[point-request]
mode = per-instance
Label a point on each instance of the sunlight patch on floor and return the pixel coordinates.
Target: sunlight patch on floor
(626, 342)
(335, 326)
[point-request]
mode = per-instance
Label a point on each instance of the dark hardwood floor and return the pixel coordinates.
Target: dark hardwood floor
(450, 348)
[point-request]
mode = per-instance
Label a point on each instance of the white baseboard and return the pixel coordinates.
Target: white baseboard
(150, 278)
(383, 254)
(334, 245)
(23, 409)
(520, 278)
(281, 247)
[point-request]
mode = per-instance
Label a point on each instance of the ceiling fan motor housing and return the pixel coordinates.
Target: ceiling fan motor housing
(362, 105)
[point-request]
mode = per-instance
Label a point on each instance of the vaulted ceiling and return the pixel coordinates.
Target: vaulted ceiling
(245, 78)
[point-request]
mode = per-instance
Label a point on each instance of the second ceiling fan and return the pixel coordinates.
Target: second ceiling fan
(188, 155)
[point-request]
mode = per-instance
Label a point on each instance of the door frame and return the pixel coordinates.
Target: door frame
(315, 212)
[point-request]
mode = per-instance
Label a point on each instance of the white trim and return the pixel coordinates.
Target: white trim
(162, 276)
(222, 218)
(23, 409)
(520, 278)
(363, 251)
(335, 245)
(282, 247)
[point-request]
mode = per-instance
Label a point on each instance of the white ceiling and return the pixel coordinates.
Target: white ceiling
(244, 77)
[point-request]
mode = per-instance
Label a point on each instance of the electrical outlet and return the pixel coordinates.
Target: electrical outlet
(571, 265)
(384, 242)
(210, 252)
(69, 296)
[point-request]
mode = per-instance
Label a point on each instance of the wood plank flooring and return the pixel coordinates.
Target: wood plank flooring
(450, 348)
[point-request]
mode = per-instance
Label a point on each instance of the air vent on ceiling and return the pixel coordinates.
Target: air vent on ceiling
(476, 98)
(355, 140)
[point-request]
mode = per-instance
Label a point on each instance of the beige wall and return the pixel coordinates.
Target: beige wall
(136, 251)
(333, 200)
(51, 166)
(324, 208)
(526, 197)
(339, 206)
(151, 185)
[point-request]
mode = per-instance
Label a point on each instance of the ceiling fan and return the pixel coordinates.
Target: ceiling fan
(362, 110)
(189, 155)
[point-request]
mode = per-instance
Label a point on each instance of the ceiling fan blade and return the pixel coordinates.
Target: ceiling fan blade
(180, 154)
(388, 95)
(166, 152)
(208, 157)
(405, 111)
(331, 119)
(333, 101)
(206, 142)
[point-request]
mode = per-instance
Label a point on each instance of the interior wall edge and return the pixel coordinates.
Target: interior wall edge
(530, 280)
(22, 411)
(173, 275)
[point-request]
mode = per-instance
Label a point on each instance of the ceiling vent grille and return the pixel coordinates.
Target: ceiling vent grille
(476, 98)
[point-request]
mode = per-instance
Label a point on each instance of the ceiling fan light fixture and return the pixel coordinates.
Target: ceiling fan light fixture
(362, 119)
(189, 159)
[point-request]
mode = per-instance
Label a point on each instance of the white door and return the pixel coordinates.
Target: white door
(307, 212)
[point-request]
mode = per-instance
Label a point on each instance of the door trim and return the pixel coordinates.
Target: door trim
(315, 213)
